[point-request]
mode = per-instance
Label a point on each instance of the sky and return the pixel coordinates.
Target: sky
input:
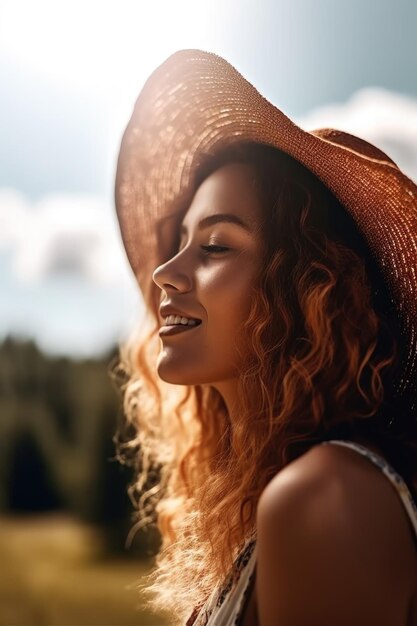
(70, 73)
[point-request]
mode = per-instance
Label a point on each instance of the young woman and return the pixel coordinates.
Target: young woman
(272, 387)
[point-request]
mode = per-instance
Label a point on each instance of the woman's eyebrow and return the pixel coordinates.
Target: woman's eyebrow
(219, 217)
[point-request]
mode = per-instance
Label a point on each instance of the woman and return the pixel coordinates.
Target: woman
(273, 387)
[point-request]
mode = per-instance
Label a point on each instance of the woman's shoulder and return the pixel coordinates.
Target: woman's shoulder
(337, 478)
(343, 483)
(337, 473)
(332, 504)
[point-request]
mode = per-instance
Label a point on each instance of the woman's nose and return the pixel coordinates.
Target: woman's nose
(172, 275)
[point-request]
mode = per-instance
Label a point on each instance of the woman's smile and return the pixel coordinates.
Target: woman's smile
(170, 328)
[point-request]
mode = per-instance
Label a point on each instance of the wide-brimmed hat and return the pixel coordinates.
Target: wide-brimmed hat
(196, 103)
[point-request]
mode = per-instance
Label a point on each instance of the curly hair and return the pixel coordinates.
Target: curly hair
(322, 363)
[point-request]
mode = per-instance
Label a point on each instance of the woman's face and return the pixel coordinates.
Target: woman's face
(210, 279)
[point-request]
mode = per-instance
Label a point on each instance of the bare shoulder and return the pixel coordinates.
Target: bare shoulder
(326, 548)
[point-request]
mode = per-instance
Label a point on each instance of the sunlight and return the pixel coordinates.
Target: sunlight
(91, 44)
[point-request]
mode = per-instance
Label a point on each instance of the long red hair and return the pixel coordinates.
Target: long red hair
(322, 363)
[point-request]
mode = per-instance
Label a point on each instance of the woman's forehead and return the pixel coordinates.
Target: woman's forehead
(230, 189)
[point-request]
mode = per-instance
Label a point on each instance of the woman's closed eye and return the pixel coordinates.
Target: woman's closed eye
(214, 249)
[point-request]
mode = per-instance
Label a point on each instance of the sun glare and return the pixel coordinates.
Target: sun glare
(94, 43)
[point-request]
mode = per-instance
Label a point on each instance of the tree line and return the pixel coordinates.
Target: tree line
(58, 419)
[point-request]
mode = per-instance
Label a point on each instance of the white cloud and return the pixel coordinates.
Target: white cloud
(384, 118)
(64, 278)
(62, 235)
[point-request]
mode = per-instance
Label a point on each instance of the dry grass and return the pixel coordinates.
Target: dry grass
(51, 574)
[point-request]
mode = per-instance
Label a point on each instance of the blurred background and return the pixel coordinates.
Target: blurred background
(69, 76)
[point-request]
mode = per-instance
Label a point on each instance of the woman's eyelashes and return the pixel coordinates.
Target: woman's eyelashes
(214, 249)
(211, 248)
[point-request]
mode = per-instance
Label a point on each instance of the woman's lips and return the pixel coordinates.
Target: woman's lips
(174, 329)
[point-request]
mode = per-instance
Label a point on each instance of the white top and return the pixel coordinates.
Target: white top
(225, 605)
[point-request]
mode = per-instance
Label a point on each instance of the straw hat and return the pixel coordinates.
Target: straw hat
(196, 103)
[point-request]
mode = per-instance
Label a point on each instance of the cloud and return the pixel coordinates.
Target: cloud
(61, 235)
(384, 118)
(64, 278)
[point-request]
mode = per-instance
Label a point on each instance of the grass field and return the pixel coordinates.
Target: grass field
(52, 574)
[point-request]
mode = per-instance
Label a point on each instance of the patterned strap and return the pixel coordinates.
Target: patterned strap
(225, 604)
(393, 476)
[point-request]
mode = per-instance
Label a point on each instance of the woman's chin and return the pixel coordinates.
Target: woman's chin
(175, 376)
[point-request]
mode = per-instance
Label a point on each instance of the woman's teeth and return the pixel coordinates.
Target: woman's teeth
(177, 319)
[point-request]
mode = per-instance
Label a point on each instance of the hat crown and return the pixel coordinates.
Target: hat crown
(351, 142)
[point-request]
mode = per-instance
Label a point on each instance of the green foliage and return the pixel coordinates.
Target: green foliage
(58, 417)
